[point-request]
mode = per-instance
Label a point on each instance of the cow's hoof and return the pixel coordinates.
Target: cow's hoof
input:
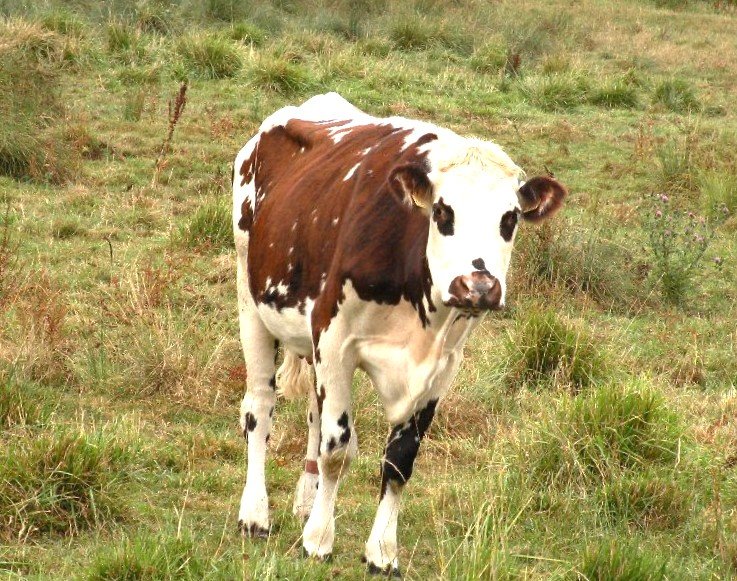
(389, 571)
(252, 530)
(321, 558)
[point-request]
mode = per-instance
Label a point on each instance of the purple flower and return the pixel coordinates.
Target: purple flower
(691, 215)
(658, 214)
(663, 198)
(718, 261)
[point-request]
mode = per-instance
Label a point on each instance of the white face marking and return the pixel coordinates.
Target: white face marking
(478, 199)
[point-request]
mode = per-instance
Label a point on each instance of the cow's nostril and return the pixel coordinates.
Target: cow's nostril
(480, 290)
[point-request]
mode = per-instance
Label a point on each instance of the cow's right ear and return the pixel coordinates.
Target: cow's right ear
(409, 182)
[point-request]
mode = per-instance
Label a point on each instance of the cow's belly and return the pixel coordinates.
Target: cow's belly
(289, 326)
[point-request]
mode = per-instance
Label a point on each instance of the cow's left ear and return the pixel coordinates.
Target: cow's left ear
(409, 182)
(540, 197)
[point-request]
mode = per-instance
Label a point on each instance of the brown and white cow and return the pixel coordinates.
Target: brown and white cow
(371, 243)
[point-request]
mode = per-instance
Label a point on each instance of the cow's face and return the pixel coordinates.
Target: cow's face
(473, 219)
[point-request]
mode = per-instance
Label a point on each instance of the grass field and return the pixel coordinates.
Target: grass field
(592, 431)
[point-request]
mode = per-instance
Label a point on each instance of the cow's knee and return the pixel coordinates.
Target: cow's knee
(338, 446)
(402, 447)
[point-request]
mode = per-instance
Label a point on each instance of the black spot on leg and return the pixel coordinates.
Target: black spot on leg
(250, 422)
(403, 445)
(345, 436)
(507, 225)
(309, 417)
(272, 382)
(271, 412)
(268, 436)
(444, 216)
(320, 398)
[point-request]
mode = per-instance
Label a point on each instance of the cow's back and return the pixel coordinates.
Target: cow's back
(313, 184)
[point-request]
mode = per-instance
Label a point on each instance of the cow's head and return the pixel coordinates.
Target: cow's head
(474, 206)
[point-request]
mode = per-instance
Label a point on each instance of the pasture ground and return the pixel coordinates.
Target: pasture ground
(591, 433)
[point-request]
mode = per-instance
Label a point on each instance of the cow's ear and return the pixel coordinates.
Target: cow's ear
(540, 197)
(410, 183)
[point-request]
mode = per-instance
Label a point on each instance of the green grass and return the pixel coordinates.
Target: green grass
(590, 432)
(597, 434)
(623, 561)
(543, 348)
(62, 483)
(677, 95)
(210, 56)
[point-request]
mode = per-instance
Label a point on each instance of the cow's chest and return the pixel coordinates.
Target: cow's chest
(409, 364)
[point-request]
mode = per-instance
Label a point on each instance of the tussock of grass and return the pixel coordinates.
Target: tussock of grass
(154, 17)
(718, 191)
(615, 559)
(543, 349)
(18, 407)
(210, 56)
(226, 10)
(282, 76)
(597, 434)
(67, 229)
(29, 103)
(489, 58)
(61, 483)
(417, 33)
(64, 22)
(557, 92)
(615, 93)
(646, 500)
(210, 228)
(676, 95)
(124, 42)
(248, 33)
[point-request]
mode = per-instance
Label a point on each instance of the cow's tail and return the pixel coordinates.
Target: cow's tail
(295, 376)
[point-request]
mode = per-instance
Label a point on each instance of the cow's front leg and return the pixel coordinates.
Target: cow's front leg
(396, 469)
(338, 446)
(304, 495)
(256, 410)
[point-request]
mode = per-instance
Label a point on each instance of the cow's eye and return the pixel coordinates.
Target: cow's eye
(507, 225)
(444, 216)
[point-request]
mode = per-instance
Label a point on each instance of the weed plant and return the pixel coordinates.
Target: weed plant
(677, 243)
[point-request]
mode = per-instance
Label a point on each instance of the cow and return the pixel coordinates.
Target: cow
(371, 243)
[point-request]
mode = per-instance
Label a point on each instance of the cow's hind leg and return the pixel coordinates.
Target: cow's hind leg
(304, 495)
(396, 469)
(259, 348)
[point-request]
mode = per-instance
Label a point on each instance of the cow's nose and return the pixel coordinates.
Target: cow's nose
(478, 290)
